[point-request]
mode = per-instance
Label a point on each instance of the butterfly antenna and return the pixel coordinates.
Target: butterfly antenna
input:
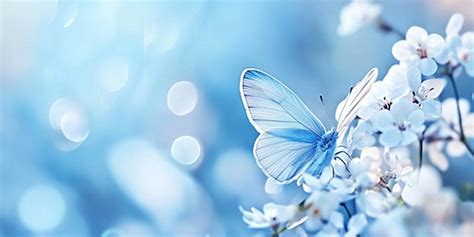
(325, 110)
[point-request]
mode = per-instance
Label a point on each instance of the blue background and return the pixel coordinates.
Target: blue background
(208, 43)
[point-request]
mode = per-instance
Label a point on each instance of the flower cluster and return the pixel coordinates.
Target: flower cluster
(376, 183)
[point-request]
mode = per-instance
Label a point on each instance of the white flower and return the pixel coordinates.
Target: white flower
(375, 202)
(311, 183)
(424, 94)
(391, 225)
(366, 169)
(400, 125)
(459, 49)
(356, 225)
(331, 227)
(464, 51)
(384, 93)
(356, 15)
(452, 35)
(445, 134)
(454, 26)
(272, 215)
(400, 166)
(320, 204)
(419, 50)
(420, 185)
(361, 136)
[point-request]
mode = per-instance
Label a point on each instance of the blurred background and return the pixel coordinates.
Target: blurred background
(123, 118)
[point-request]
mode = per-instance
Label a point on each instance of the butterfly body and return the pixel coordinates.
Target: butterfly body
(325, 148)
(292, 140)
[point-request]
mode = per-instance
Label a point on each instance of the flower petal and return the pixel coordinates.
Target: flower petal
(455, 24)
(427, 66)
(456, 148)
(402, 109)
(416, 118)
(468, 125)
(433, 87)
(432, 109)
(408, 138)
(414, 78)
(402, 50)
(437, 157)
(434, 45)
(357, 223)
(416, 35)
(383, 120)
(390, 137)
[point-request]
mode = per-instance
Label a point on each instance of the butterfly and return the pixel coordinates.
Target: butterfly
(292, 140)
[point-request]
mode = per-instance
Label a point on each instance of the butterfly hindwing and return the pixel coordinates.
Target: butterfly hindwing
(284, 154)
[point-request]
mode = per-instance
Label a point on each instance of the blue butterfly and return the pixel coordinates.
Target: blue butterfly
(292, 140)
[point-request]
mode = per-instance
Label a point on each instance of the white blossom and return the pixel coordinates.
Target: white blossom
(459, 48)
(356, 225)
(272, 214)
(356, 15)
(444, 134)
(419, 50)
(425, 93)
(401, 125)
(384, 93)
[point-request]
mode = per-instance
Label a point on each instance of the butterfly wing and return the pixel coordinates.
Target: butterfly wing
(271, 105)
(288, 130)
(352, 102)
(285, 154)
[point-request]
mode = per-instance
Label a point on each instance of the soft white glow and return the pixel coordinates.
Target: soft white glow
(167, 194)
(41, 208)
(182, 98)
(113, 232)
(113, 74)
(74, 127)
(58, 109)
(156, 185)
(186, 150)
(65, 144)
(67, 118)
(129, 228)
(71, 13)
(167, 40)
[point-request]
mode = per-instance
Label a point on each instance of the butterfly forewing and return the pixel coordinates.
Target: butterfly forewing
(353, 101)
(289, 131)
(272, 105)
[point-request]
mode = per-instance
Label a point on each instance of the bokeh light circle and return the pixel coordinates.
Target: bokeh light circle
(113, 232)
(182, 98)
(57, 110)
(113, 74)
(74, 127)
(41, 208)
(68, 119)
(186, 150)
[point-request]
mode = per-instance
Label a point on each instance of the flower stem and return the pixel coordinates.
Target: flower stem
(346, 209)
(386, 27)
(420, 154)
(462, 136)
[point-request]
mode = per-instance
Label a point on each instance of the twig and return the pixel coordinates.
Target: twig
(384, 26)
(462, 136)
